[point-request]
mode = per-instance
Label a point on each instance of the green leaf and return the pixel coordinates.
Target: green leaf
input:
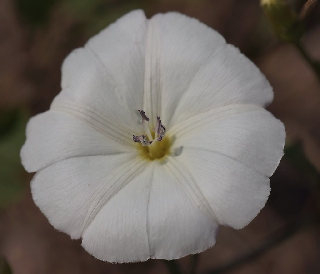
(11, 170)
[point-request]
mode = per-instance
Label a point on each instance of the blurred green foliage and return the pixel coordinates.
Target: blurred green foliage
(8, 119)
(35, 12)
(294, 154)
(12, 128)
(97, 14)
(284, 21)
(94, 14)
(4, 267)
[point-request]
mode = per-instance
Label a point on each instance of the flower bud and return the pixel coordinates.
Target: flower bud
(285, 22)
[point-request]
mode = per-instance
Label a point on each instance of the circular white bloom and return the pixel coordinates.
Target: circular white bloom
(103, 176)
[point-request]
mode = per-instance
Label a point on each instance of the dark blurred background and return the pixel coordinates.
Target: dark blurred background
(36, 36)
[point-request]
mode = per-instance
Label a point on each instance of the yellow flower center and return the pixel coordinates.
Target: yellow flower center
(157, 150)
(154, 144)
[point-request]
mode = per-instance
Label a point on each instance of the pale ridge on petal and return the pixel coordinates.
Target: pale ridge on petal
(152, 77)
(225, 155)
(179, 46)
(227, 77)
(118, 233)
(177, 226)
(246, 133)
(236, 191)
(151, 252)
(65, 190)
(111, 79)
(188, 183)
(107, 74)
(104, 96)
(53, 136)
(192, 124)
(119, 178)
(120, 48)
(96, 121)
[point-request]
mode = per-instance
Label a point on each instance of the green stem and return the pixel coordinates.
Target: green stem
(314, 65)
(194, 263)
(173, 267)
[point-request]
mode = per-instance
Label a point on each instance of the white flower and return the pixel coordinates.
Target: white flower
(131, 198)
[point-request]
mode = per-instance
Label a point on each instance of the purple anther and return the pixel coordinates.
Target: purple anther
(142, 139)
(160, 129)
(143, 115)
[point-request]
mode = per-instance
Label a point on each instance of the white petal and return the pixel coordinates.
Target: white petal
(119, 231)
(227, 77)
(235, 191)
(187, 62)
(152, 217)
(247, 133)
(72, 191)
(177, 225)
(176, 48)
(54, 136)
(107, 75)
(231, 152)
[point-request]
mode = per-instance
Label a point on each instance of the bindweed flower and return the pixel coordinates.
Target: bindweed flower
(158, 136)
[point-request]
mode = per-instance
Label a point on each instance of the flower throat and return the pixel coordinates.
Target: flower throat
(155, 144)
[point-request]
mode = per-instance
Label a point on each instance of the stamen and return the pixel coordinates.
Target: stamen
(143, 115)
(147, 138)
(145, 121)
(160, 129)
(142, 139)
